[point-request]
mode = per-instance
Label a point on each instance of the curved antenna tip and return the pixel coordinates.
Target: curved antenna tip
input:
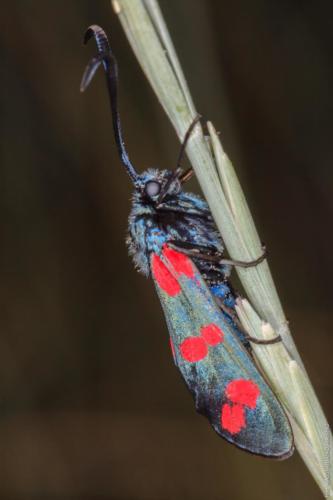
(90, 71)
(87, 35)
(91, 31)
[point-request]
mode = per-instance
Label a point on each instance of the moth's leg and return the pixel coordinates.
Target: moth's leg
(245, 336)
(199, 252)
(251, 263)
(254, 340)
(230, 312)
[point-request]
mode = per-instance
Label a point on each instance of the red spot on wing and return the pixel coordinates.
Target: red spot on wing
(243, 392)
(179, 261)
(233, 418)
(196, 348)
(193, 349)
(164, 278)
(212, 334)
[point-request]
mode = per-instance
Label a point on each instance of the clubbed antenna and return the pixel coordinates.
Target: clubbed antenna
(106, 57)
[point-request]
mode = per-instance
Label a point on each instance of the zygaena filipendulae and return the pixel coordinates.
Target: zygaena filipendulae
(172, 237)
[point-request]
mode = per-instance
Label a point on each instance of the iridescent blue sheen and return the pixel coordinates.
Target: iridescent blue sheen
(181, 217)
(183, 220)
(197, 298)
(266, 429)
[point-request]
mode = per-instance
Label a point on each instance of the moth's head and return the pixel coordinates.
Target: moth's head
(156, 187)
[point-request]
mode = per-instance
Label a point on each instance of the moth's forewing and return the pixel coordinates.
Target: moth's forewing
(226, 385)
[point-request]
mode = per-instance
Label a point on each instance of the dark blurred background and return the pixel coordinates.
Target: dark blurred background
(91, 404)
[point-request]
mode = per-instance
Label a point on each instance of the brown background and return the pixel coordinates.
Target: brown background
(91, 405)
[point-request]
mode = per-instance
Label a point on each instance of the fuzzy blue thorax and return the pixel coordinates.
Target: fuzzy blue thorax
(178, 217)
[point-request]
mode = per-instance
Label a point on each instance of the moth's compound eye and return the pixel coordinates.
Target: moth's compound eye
(152, 188)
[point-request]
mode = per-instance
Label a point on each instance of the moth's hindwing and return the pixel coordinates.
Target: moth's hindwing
(226, 385)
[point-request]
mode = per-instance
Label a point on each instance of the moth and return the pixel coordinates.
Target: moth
(173, 239)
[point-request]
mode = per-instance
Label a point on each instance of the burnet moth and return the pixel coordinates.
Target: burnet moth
(172, 238)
